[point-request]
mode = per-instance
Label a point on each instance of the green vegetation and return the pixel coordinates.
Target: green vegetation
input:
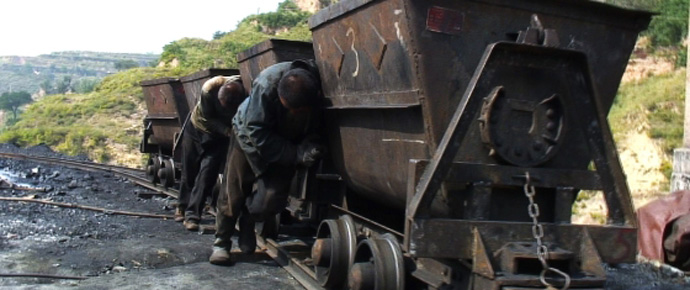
(109, 109)
(657, 104)
(86, 123)
(45, 72)
(670, 27)
(194, 54)
(11, 101)
(126, 64)
(667, 30)
(287, 15)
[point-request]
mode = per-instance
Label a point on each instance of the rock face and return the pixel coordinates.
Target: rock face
(309, 5)
(313, 5)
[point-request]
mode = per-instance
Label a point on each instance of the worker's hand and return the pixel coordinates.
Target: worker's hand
(308, 153)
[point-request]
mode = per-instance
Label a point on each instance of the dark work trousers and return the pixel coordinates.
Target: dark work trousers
(204, 157)
(190, 164)
(232, 199)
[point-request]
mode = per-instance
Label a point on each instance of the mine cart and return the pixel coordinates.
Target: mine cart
(167, 107)
(255, 59)
(192, 83)
(475, 124)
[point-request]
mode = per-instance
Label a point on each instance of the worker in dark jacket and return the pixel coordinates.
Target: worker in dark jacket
(205, 144)
(273, 131)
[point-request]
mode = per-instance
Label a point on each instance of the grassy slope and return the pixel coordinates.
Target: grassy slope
(106, 125)
(88, 123)
(647, 122)
(657, 106)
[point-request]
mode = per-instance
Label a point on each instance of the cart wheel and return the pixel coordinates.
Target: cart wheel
(378, 265)
(166, 173)
(333, 251)
(152, 168)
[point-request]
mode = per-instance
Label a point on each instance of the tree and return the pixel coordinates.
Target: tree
(47, 86)
(85, 85)
(11, 101)
(64, 85)
(125, 64)
(219, 34)
(670, 27)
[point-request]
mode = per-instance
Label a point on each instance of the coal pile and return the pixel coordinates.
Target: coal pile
(49, 239)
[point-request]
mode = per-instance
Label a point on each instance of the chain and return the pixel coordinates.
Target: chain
(538, 234)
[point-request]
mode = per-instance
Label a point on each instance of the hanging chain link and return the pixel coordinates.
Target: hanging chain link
(538, 234)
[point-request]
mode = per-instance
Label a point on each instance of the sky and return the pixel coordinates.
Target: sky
(33, 27)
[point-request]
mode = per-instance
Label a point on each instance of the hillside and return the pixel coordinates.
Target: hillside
(106, 124)
(20, 73)
(647, 122)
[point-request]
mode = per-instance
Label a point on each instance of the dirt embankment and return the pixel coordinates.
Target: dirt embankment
(641, 156)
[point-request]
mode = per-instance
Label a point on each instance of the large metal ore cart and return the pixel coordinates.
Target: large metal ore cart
(480, 121)
(167, 107)
(258, 57)
(192, 83)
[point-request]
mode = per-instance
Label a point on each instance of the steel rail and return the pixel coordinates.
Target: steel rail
(301, 272)
(133, 174)
(304, 274)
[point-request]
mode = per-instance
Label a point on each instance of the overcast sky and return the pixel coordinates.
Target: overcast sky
(33, 27)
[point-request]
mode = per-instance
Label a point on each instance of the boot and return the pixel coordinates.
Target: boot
(179, 214)
(191, 225)
(220, 256)
(247, 238)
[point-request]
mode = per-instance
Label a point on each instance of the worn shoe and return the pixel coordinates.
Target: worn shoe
(191, 225)
(179, 215)
(220, 256)
(247, 238)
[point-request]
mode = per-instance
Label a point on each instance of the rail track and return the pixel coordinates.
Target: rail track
(291, 253)
(133, 174)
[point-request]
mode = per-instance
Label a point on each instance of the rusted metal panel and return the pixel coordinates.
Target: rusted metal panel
(375, 109)
(255, 59)
(393, 61)
(165, 101)
(433, 238)
(192, 83)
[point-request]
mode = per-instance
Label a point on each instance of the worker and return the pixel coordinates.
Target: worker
(273, 135)
(205, 145)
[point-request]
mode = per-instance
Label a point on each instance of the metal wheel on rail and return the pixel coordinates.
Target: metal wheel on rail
(152, 167)
(333, 251)
(166, 173)
(378, 265)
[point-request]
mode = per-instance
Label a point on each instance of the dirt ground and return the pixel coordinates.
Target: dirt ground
(112, 251)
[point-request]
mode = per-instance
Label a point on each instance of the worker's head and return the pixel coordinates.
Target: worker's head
(231, 95)
(298, 90)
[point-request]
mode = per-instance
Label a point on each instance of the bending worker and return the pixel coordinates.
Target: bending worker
(205, 145)
(273, 135)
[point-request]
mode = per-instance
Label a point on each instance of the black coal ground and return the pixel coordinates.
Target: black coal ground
(123, 252)
(112, 251)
